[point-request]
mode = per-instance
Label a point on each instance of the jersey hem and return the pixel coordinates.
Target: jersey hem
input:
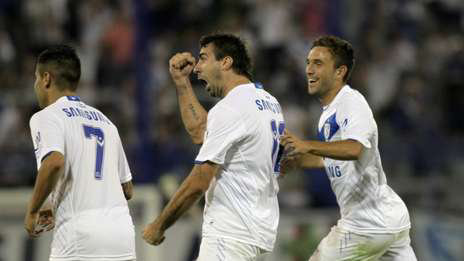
(95, 258)
(254, 243)
(201, 161)
(49, 150)
(126, 180)
(373, 230)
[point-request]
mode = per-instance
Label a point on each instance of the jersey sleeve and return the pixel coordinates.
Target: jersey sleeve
(357, 122)
(47, 135)
(224, 129)
(123, 166)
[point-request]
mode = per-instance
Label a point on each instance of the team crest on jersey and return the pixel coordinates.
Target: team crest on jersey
(329, 128)
(326, 131)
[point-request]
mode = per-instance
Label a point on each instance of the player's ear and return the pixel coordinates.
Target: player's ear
(227, 62)
(47, 79)
(341, 71)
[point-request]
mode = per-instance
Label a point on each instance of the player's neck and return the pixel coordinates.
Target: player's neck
(330, 95)
(235, 81)
(54, 96)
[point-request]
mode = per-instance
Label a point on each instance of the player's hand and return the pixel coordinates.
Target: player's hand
(181, 66)
(294, 147)
(46, 220)
(153, 234)
(286, 166)
(30, 222)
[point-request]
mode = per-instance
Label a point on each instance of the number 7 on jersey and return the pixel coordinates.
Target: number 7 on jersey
(91, 132)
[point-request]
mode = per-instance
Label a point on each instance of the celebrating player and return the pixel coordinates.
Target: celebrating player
(238, 164)
(81, 163)
(374, 222)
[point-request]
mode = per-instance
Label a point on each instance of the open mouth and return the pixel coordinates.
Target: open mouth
(201, 80)
(312, 81)
(204, 82)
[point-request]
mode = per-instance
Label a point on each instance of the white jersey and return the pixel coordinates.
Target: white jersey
(91, 212)
(242, 135)
(367, 203)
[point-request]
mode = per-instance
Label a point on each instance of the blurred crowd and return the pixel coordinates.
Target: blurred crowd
(409, 65)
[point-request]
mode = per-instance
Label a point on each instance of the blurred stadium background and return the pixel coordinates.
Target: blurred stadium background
(410, 66)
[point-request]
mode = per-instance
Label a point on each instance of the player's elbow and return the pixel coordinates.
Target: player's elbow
(197, 140)
(353, 150)
(355, 153)
(197, 133)
(197, 136)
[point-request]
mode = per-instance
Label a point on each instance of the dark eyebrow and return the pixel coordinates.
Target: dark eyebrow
(203, 55)
(314, 60)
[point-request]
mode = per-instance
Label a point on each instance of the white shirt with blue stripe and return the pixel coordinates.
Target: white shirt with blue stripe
(367, 203)
(91, 212)
(242, 135)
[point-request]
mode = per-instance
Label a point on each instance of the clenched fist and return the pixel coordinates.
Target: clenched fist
(153, 234)
(180, 66)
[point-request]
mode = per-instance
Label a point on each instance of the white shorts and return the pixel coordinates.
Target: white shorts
(225, 249)
(344, 245)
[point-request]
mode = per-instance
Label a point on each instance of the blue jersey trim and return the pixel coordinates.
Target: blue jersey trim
(198, 162)
(73, 98)
(330, 123)
(46, 155)
(258, 85)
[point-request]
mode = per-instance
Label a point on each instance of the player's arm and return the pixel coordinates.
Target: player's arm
(192, 112)
(189, 192)
(127, 188)
(309, 161)
(339, 150)
(304, 161)
(50, 171)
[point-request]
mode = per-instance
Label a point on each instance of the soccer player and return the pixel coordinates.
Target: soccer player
(374, 222)
(81, 164)
(237, 165)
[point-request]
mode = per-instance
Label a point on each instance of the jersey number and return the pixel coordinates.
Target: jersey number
(277, 149)
(91, 132)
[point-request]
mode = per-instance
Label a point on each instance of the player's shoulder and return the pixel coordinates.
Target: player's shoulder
(351, 97)
(223, 108)
(35, 117)
(248, 93)
(47, 113)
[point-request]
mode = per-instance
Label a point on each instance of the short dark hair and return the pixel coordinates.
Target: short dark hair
(63, 62)
(233, 46)
(341, 50)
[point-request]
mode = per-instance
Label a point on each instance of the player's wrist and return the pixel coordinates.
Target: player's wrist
(158, 225)
(182, 82)
(308, 147)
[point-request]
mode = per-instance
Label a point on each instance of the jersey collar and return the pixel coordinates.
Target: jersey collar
(68, 98)
(337, 97)
(73, 98)
(248, 85)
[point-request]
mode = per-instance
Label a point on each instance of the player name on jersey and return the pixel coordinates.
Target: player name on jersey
(267, 105)
(90, 115)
